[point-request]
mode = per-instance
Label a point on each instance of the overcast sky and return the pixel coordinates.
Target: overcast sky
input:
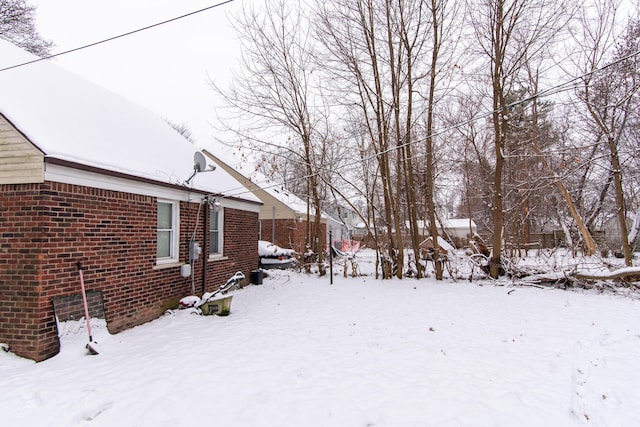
(164, 68)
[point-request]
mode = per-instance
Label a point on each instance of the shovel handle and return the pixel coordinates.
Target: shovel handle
(84, 301)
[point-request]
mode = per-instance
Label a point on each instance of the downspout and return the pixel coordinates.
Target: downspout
(191, 248)
(205, 246)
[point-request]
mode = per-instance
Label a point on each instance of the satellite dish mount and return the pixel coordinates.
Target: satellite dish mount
(199, 165)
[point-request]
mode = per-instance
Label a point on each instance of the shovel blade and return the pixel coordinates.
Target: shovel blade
(93, 347)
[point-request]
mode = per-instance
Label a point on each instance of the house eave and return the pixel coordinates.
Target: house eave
(70, 172)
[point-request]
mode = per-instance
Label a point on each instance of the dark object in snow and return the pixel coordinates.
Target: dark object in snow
(256, 276)
(91, 345)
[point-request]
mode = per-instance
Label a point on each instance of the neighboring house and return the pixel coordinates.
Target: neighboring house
(283, 215)
(87, 176)
(361, 232)
(345, 226)
(457, 231)
(337, 232)
(343, 221)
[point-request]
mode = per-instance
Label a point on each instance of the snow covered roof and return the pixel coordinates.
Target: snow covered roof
(70, 118)
(278, 191)
(266, 184)
(443, 244)
(289, 199)
(458, 223)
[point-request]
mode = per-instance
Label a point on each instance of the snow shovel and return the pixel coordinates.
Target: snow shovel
(91, 345)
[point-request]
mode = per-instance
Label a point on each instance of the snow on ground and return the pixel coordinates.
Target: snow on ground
(298, 351)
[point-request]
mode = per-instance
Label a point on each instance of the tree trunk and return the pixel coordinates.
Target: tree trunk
(590, 244)
(433, 227)
(395, 70)
(495, 263)
(499, 117)
(622, 217)
(633, 234)
(497, 213)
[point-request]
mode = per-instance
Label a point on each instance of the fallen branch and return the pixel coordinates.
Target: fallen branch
(630, 274)
(574, 278)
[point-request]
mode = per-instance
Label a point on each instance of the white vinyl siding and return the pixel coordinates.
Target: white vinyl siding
(20, 161)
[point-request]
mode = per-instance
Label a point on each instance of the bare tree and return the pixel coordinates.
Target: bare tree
(182, 129)
(376, 52)
(609, 85)
(472, 159)
(443, 16)
(17, 25)
(509, 31)
(275, 90)
(350, 31)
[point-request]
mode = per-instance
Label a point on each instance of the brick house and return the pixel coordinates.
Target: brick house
(283, 215)
(86, 176)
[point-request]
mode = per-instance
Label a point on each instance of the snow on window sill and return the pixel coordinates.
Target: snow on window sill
(217, 257)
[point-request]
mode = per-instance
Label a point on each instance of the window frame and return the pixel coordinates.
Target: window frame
(220, 231)
(174, 246)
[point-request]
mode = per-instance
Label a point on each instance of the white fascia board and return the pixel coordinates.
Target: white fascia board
(240, 205)
(67, 175)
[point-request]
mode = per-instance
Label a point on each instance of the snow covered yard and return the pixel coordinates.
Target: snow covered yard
(298, 351)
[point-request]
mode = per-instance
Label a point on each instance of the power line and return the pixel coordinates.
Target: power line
(119, 36)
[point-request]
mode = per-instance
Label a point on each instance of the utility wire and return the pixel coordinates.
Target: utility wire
(550, 91)
(119, 36)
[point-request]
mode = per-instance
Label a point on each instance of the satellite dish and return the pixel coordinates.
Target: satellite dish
(199, 162)
(199, 165)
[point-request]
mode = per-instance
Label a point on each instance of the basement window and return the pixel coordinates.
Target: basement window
(167, 237)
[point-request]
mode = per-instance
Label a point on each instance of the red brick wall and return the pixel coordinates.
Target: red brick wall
(46, 229)
(240, 247)
(289, 234)
(26, 320)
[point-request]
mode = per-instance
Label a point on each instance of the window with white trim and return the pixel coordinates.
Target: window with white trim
(216, 219)
(168, 234)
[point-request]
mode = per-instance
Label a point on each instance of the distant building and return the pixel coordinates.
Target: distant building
(457, 231)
